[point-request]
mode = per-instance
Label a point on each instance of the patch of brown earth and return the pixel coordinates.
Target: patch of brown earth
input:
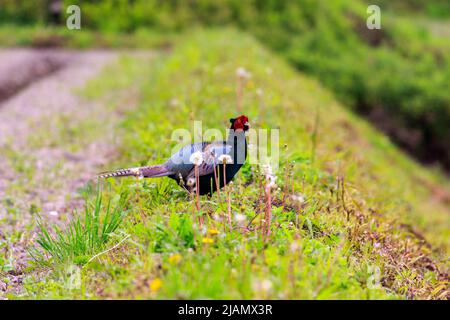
(44, 177)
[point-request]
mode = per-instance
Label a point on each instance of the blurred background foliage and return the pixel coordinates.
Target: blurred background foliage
(398, 76)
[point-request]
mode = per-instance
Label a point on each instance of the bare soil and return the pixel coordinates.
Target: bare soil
(38, 98)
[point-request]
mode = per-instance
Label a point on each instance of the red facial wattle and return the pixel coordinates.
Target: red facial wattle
(241, 123)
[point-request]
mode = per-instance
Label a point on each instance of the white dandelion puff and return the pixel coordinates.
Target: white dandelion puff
(240, 218)
(294, 246)
(53, 213)
(266, 285)
(267, 169)
(242, 73)
(225, 158)
(196, 158)
(298, 197)
(270, 177)
(263, 286)
(272, 182)
(174, 102)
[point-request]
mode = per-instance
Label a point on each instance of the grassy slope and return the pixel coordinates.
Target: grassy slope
(397, 76)
(328, 247)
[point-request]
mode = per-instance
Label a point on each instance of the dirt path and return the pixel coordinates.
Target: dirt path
(52, 141)
(20, 67)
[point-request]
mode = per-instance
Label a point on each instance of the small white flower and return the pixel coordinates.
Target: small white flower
(266, 285)
(294, 246)
(259, 92)
(272, 184)
(298, 197)
(242, 73)
(174, 102)
(240, 218)
(53, 213)
(196, 158)
(267, 169)
(270, 177)
(225, 158)
(263, 286)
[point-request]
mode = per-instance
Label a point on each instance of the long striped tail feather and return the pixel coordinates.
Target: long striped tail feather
(141, 172)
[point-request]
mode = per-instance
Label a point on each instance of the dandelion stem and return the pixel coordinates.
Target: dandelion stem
(268, 208)
(228, 193)
(216, 179)
(197, 191)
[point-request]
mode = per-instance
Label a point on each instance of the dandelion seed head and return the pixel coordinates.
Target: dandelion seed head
(196, 158)
(298, 197)
(264, 286)
(267, 169)
(174, 102)
(242, 73)
(294, 246)
(240, 218)
(225, 158)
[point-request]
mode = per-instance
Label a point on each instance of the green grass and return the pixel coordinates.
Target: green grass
(397, 76)
(366, 205)
(82, 239)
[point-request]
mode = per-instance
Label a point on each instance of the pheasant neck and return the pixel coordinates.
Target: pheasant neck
(236, 139)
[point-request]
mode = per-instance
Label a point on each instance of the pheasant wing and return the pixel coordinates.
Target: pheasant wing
(211, 152)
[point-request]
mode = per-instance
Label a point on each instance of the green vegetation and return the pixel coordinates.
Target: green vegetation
(350, 224)
(81, 238)
(353, 217)
(397, 76)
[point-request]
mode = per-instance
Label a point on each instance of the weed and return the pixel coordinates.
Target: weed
(82, 238)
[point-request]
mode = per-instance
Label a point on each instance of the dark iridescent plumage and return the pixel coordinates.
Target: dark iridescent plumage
(180, 168)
